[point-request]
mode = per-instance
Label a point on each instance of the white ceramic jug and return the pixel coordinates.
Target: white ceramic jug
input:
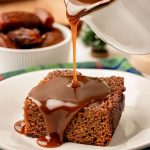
(124, 24)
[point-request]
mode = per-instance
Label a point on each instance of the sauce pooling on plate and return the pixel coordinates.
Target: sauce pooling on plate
(61, 98)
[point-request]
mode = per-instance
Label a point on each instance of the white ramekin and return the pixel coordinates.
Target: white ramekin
(15, 59)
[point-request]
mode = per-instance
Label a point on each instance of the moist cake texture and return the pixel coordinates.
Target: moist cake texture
(94, 124)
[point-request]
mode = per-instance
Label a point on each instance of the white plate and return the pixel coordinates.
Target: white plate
(133, 131)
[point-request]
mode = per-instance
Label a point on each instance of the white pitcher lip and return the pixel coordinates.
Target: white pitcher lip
(120, 26)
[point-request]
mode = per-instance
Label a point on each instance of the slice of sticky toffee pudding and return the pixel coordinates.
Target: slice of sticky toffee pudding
(54, 112)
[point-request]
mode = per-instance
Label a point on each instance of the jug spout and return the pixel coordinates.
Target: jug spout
(76, 6)
(124, 24)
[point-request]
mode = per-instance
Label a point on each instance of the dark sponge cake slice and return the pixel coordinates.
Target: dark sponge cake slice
(95, 124)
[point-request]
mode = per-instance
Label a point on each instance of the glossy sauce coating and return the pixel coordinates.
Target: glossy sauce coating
(58, 102)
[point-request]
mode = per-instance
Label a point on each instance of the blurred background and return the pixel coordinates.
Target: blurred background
(89, 46)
